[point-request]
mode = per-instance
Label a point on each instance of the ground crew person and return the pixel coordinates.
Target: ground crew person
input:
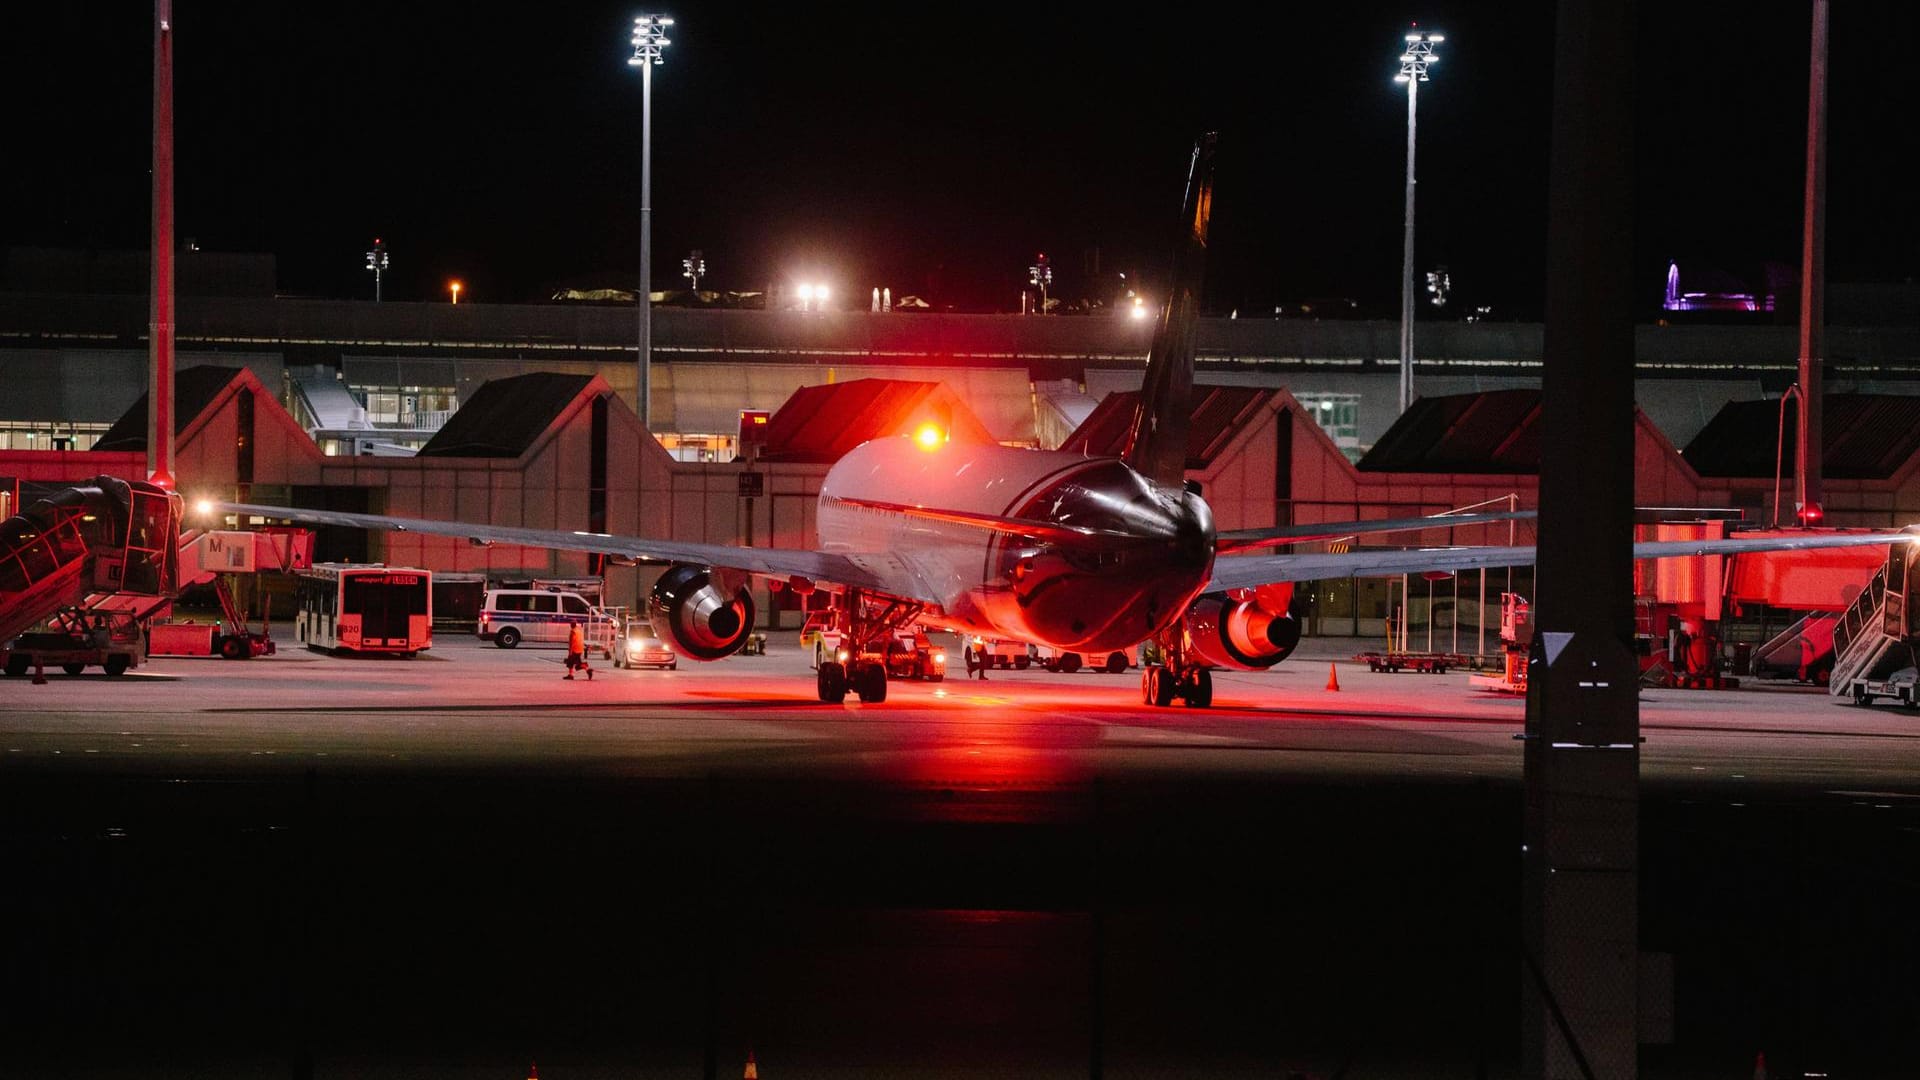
(577, 653)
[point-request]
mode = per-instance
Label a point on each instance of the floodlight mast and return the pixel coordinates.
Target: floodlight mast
(1414, 61)
(649, 42)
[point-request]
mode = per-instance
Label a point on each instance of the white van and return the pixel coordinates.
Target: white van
(542, 616)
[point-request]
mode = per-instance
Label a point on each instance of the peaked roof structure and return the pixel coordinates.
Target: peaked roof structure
(1495, 431)
(194, 389)
(505, 416)
(1219, 412)
(1867, 437)
(819, 424)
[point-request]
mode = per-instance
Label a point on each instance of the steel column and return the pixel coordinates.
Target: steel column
(1580, 919)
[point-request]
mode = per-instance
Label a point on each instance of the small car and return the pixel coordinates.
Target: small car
(641, 647)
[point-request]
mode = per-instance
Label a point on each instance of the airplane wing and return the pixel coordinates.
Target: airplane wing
(1247, 571)
(892, 574)
(1240, 540)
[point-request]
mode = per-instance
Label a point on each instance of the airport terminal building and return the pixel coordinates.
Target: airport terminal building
(523, 414)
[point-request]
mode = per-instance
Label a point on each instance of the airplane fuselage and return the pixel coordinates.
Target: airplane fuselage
(1148, 552)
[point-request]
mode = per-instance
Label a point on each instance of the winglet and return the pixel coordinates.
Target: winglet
(1157, 445)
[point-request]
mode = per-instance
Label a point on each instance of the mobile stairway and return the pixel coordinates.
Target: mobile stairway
(1874, 641)
(1802, 651)
(108, 547)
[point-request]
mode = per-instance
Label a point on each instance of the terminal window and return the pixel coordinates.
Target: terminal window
(1339, 416)
(420, 407)
(49, 435)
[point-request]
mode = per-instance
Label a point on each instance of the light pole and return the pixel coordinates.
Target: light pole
(1040, 276)
(649, 41)
(377, 262)
(1414, 62)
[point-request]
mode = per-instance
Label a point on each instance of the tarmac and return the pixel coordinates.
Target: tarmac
(452, 866)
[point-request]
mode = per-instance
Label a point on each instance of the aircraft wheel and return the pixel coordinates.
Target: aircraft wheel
(1116, 663)
(832, 682)
(507, 638)
(73, 669)
(1164, 686)
(872, 684)
(1199, 689)
(117, 664)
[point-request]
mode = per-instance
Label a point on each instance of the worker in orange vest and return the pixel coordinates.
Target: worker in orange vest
(577, 653)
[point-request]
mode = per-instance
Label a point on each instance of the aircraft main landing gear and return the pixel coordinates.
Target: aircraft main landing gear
(1176, 678)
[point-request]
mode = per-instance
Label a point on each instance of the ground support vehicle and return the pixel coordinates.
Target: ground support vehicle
(547, 616)
(1435, 663)
(1516, 632)
(364, 608)
(1002, 654)
(1113, 663)
(910, 655)
(74, 640)
(636, 645)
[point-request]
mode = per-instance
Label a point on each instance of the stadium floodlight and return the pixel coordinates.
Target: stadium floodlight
(1414, 62)
(649, 42)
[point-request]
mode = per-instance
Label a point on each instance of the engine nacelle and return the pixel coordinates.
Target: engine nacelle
(1238, 634)
(704, 620)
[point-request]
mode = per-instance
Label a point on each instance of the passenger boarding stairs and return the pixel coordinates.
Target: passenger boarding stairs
(1803, 650)
(106, 545)
(1872, 641)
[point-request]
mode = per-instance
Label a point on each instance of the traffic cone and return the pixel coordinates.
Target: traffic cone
(753, 1071)
(533, 1070)
(1333, 676)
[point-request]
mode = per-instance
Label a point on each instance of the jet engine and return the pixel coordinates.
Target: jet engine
(1239, 634)
(705, 621)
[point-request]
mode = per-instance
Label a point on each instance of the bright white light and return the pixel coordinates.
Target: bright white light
(820, 293)
(1413, 37)
(1139, 308)
(204, 507)
(805, 292)
(1435, 38)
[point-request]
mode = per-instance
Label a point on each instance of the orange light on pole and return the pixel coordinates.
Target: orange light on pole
(455, 287)
(929, 436)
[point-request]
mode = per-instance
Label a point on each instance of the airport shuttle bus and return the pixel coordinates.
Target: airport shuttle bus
(349, 608)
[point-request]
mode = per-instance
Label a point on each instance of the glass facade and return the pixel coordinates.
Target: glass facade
(1339, 416)
(49, 435)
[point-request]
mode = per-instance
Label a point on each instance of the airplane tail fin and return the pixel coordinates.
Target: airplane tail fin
(1157, 445)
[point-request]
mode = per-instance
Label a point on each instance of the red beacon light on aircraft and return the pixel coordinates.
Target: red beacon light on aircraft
(1812, 515)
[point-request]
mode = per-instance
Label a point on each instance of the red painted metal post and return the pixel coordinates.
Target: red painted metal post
(1813, 272)
(160, 329)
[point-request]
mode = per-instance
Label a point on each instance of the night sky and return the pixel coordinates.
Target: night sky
(932, 148)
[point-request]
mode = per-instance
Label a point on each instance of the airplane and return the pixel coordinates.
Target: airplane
(1090, 554)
